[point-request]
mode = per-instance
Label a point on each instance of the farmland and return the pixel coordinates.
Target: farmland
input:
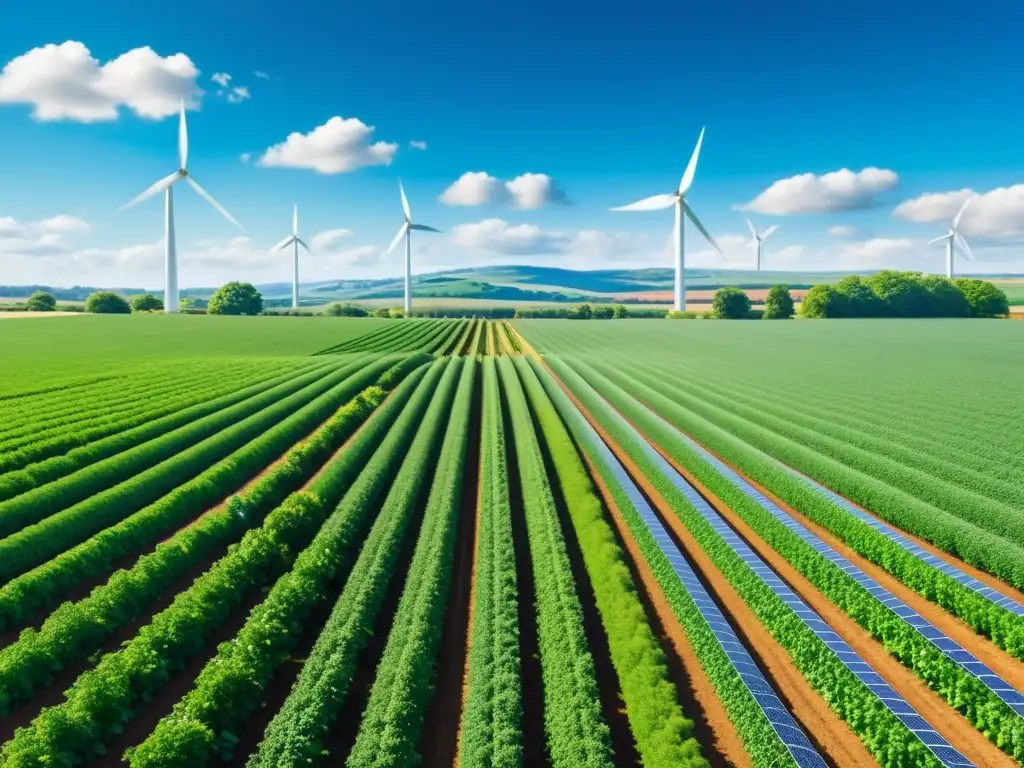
(274, 542)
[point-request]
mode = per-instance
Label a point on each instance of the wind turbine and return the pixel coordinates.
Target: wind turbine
(295, 241)
(954, 238)
(677, 199)
(165, 185)
(406, 231)
(760, 238)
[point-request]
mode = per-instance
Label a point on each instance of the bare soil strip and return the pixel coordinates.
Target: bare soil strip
(932, 707)
(535, 751)
(440, 736)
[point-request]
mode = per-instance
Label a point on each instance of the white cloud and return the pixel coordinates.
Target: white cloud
(238, 93)
(473, 188)
(842, 190)
(997, 214)
(329, 239)
(338, 146)
(261, 75)
(418, 144)
(221, 78)
(527, 192)
(65, 82)
(534, 190)
(245, 157)
(841, 230)
(10, 228)
(498, 236)
(64, 223)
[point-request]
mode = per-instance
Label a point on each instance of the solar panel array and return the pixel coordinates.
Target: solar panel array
(896, 704)
(950, 648)
(781, 721)
(896, 536)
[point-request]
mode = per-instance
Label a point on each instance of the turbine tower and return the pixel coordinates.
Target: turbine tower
(406, 231)
(678, 199)
(295, 241)
(165, 185)
(760, 238)
(954, 238)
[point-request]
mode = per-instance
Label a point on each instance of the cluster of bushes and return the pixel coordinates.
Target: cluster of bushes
(906, 294)
(39, 301)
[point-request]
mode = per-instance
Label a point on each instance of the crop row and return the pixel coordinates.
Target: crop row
(983, 501)
(75, 630)
(206, 720)
(664, 737)
(389, 733)
(42, 462)
(1002, 626)
(37, 543)
(962, 690)
(574, 723)
(492, 716)
(103, 699)
(44, 501)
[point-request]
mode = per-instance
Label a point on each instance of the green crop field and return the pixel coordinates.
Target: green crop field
(296, 541)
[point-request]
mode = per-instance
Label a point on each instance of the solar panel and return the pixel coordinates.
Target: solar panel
(874, 682)
(907, 544)
(781, 721)
(933, 634)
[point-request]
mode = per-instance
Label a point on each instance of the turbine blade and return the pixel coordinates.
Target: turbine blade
(769, 232)
(295, 220)
(655, 203)
(405, 202)
(284, 243)
(959, 240)
(956, 221)
(691, 167)
(182, 138)
(938, 239)
(696, 223)
(423, 228)
(160, 186)
(399, 236)
(750, 226)
(302, 242)
(209, 198)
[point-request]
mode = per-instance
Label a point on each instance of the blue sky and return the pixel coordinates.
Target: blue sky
(601, 102)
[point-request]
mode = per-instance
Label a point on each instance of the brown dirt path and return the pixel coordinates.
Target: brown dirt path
(932, 707)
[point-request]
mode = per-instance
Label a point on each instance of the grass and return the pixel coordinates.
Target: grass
(40, 353)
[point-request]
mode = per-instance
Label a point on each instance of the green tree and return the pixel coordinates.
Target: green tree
(582, 312)
(778, 304)
(984, 299)
(945, 299)
(621, 312)
(147, 302)
(823, 301)
(396, 312)
(236, 298)
(107, 303)
(604, 312)
(903, 293)
(858, 300)
(382, 312)
(345, 310)
(730, 303)
(40, 301)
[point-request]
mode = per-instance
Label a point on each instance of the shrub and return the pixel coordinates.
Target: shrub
(778, 304)
(620, 311)
(396, 312)
(823, 301)
(382, 312)
(147, 302)
(730, 304)
(107, 303)
(983, 298)
(582, 312)
(236, 298)
(604, 312)
(345, 310)
(675, 314)
(40, 301)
